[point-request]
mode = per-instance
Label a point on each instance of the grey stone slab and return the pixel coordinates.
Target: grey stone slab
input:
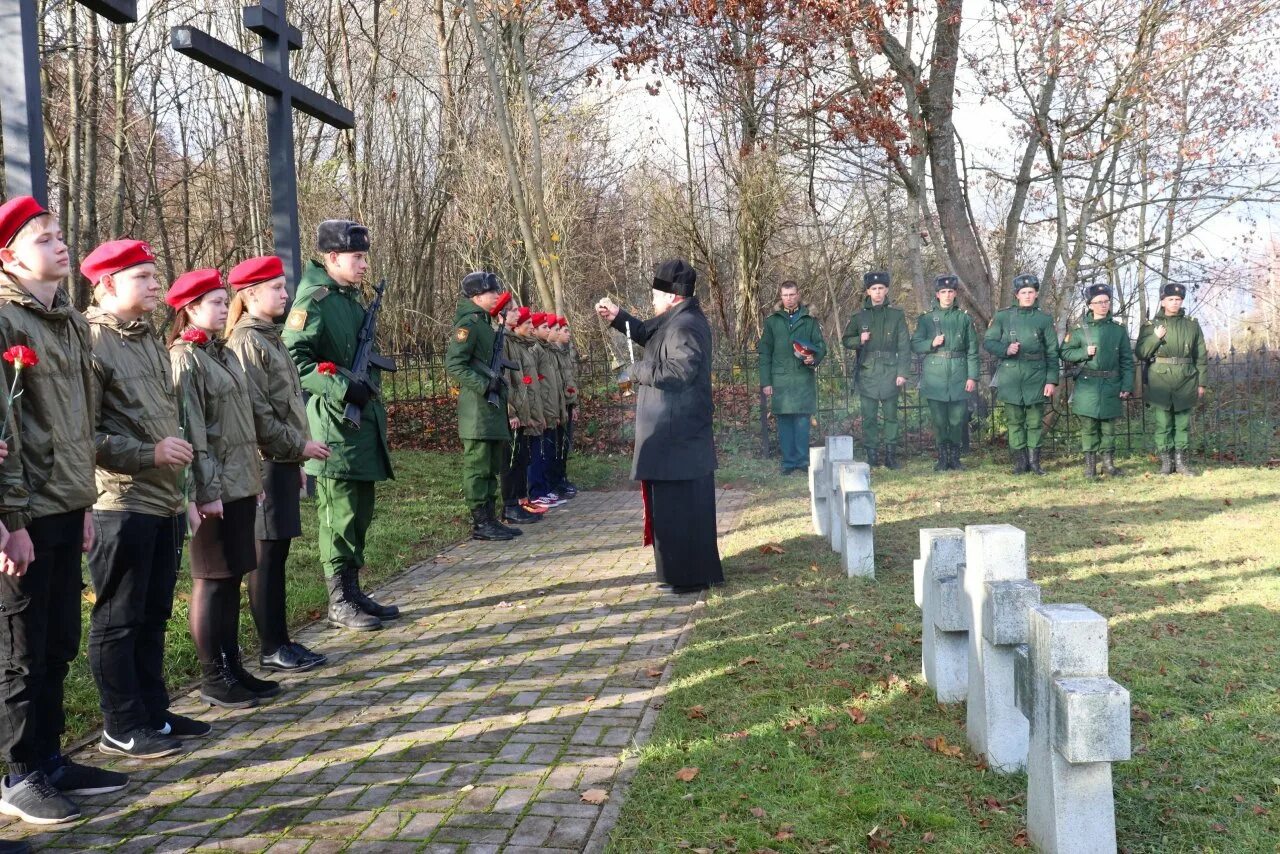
(819, 489)
(944, 643)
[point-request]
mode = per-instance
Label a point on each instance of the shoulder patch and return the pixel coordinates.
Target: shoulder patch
(297, 319)
(462, 334)
(1067, 338)
(319, 294)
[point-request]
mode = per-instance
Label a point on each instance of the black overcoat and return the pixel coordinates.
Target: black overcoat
(674, 406)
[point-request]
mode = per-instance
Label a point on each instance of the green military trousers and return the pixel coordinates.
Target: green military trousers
(345, 510)
(1025, 423)
(948, 420)
(481, 467)
(1172, 428)
(1097, 434)
(873, 410)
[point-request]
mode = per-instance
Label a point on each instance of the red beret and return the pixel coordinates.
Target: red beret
(501, 303)
(523, 315)
(114, 256)
(191, 286)
(16, 213)
(539, 318)
(255, 271)
(563, 322)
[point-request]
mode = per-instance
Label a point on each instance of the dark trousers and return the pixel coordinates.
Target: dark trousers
(515, 471)
(565, 442)
(793, 441)
(682, 514)
(541, 462)
(39, 637)
(134, 567)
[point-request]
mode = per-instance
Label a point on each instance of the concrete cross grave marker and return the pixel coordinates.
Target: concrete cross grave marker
(25, 172)
(857, 518)
(997, 596)
(839, 452)
(944, 641)
(818, 491)
(1079, 719)
(283, 93)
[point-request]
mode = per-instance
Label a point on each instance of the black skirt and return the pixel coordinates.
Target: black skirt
(225, 548)
(280, 515)
(682, 519)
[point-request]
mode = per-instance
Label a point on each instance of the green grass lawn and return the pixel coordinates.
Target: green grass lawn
(799, 701)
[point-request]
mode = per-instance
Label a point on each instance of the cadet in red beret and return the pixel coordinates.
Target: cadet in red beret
(46, 493)
(550, 389)
(567, 362)
(140, 511)
(284, 441)
(514, 476)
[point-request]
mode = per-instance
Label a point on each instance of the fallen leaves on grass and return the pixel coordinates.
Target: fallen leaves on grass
(878, 839)
(939, 745)
(772, 549)
(858, 716)
(696, 713)
(595, 797)
(736, 736)
(758, 812)
(686, 775)
(1020, 839)
(654, 672)
(748, 660)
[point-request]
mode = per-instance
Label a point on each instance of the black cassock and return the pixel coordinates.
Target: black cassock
(675, 457)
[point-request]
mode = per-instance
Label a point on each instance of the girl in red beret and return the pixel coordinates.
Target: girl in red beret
(226, 482)
(284, 441)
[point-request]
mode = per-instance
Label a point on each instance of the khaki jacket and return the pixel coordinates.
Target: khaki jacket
(218, 419)
(567, 361)
(138, 407)
(49, 469)
(550, 388)
(524, 402)
(279, 415)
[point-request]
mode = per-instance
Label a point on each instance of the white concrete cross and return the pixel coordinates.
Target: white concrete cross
(944, 641)
(857, 504)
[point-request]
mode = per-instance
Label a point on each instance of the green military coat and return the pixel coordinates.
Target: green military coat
(1179, 361)
(1109, 372)
(795, 384)
(1021, 379)
(886, 355)
(470, 351)
(949, 367)
(324, 326)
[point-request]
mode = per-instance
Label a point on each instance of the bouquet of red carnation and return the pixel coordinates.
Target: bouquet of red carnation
(20, 356)
(195, 336)
(328, 369)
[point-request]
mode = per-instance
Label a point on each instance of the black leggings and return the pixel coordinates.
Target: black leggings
(215, 617)
(266, 594)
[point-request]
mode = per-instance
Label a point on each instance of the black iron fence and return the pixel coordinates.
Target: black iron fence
(1237, 421)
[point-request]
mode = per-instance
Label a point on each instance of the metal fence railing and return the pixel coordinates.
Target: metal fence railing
(1237, 421)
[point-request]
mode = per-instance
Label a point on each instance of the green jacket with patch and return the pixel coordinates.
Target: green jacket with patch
(1021, 379)
(795, 384)
(49, 469)
(952, 364)
(1179, 361)
(887, 353)
(279, 415)
(523, 401)
(468, 356)
(1101, 378)
(550, 384)
(137, 408)
(324, 326)
(567, 362)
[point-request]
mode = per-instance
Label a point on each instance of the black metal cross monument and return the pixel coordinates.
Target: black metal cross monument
(272, 78)
(25, 173)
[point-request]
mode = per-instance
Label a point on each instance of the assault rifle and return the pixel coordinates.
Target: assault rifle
(497, 360)
(365, 357)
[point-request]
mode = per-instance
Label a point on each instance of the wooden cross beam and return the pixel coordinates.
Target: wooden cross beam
(283, 93)
(25, 171)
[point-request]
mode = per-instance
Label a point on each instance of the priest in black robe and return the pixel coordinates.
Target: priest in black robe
(675, 457)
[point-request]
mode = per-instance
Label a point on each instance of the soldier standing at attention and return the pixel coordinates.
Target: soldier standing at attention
(789, 375)
(1022, 336)
(878, 334)
(1178, 368)
(949, 343)
(323, 330)
(1100, 346)
(483, 427)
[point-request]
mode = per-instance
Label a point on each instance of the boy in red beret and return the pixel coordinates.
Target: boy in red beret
(567, 360)
(525, 414)
(46, 489)
(140, 512)
(551, 393)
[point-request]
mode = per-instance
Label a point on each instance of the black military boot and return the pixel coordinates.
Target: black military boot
(872, 456)
(485, 527)
(944, 458)
(1019, 457)
(1090, 465)
(1166, 462)
(1109, 464)
(368, 605)
(1180, 464)
(345, 613)
(515, 532)
(220, 687)
(1033, 461)
(891, 457)
(955, 464)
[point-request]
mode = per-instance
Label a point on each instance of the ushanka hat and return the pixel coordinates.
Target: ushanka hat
(878, 277)
(1026, 280)
(947, 282)
(674, 276)
(1173, 289)
(480, 282)
(342, 235)
(1097, 291)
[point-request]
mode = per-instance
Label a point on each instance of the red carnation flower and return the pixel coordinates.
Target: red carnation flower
(541, 377)
(195, 336)
(21, 356)
(571, 390)
(528, 380)
(328, 369)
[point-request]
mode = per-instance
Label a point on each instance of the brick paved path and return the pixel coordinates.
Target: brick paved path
(516, 678)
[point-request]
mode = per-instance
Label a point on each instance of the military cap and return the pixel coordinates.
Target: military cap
(114, 256)
(946, 282)
(16, 213)
(878, 277)
(1026, 280)
(342, 235)
(1097, 291)
(674, 276)
(1173, 289)
(480, 282)
(189, 287)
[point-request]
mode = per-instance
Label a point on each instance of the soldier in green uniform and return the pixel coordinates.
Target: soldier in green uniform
(788, 374)
(878, 334)
(946, 338)
(1172, 345)
(1023, 338)
(484, 428)
(1100, 347)
(321, 334)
